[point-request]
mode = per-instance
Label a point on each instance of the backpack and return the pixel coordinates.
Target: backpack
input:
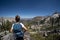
(18, 30)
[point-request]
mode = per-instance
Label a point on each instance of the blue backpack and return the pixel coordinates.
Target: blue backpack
(18, 30)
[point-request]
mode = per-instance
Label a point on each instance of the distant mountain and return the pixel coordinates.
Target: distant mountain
(54, 15)
(6, 18)
(26, 18)
(37, 18)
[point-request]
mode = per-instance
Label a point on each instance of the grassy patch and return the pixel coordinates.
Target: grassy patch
(36, 37)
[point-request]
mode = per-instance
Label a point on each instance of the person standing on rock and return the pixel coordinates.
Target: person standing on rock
(17, 29)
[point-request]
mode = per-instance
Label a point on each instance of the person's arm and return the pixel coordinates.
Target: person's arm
(11, 30)
(25, 29)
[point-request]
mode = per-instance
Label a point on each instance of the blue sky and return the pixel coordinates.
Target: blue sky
(28, 8)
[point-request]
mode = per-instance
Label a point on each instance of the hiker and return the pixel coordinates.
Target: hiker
(17, 29)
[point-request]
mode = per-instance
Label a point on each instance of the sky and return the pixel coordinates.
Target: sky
(28, 8)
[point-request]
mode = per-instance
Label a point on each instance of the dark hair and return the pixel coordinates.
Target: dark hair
(17, 18)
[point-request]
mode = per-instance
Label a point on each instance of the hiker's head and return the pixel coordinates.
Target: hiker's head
(17, 18)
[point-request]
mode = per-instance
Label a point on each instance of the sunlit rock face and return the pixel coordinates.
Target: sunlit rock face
(55, 15)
